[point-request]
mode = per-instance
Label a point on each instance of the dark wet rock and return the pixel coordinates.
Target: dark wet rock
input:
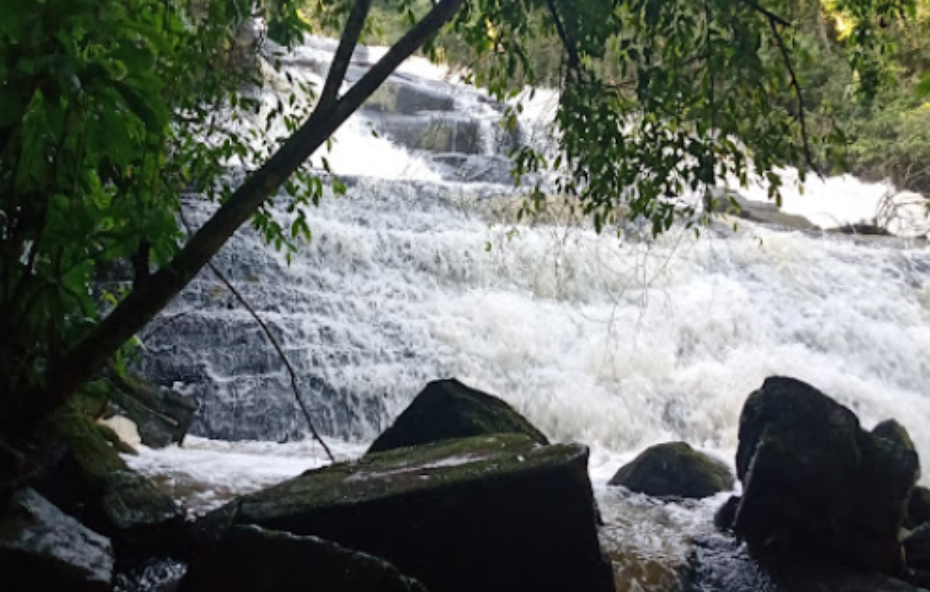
(448, 409)
(41, 548)
(816, 484)
(862, 228)
(760, 212)
(86, 478)
(252, 559)
(157, 574)
(721, 564)
(491, 513)
(674, 469)
(893, 431)
(918, 508)
(725, 515)
(162, 415)
(917, 548)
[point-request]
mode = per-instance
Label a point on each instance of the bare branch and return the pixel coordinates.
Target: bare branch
(275, 344)
(768, 14)
(574, 60)
(802, 123)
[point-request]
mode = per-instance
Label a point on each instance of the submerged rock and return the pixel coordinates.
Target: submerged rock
(252, 559)
(492, 513)
(674, 469)
(448, 409)
(816, 484)
(41, 548)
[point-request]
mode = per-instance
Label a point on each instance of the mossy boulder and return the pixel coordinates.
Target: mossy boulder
(252, 559)
(492, 513)
(41, 548)
(816, 484)
(674, 469)
(448, 409)
(86, 478)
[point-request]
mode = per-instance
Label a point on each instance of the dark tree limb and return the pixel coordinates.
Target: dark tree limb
(91, 353)
(574, 60)
(277, 347)
(802, 123)
(347, 43)
(768, 14)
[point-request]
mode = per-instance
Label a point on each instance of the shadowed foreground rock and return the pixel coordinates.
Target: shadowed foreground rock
(41, 548)
(674, 469)
(816, 484)
(251, 559)
(448, 409)
(721, 564)
(491, 514)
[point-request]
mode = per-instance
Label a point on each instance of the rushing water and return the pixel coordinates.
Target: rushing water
(417, 273)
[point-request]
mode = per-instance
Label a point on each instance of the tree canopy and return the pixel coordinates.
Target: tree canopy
(110, 109)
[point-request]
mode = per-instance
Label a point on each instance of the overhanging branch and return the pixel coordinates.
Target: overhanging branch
(136, 310)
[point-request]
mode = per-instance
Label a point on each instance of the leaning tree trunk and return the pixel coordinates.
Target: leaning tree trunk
(141, 306)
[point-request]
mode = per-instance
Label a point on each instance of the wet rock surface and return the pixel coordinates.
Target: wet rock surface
(448, 409)
(252, 559)
(722, 564)
(815, 483)
(674, 469)
(41, 548)
(495, 513)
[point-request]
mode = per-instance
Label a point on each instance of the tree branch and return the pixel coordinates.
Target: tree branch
(802, 123)
(343, 56)
(574, 60)
(768, 14)
(91, 353)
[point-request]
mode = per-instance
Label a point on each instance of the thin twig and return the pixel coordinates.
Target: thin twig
(574, 60)
(277, 347)
(771, 16)
(774, 21)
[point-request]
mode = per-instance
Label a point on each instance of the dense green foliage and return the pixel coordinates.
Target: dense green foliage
(110, 110)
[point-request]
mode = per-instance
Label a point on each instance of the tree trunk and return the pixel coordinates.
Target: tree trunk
(141, 306)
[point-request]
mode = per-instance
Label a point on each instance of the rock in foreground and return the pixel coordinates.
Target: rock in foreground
(448, 409)
(816, 484)
(721, 564)
(251, 559)
(41, 548)
(493, 513)
(674, 469)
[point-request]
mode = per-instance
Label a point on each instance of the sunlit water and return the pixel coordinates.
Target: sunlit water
(619, 344)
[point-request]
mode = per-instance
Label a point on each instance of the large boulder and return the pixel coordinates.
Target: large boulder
(252, 559)
(41, 548)
(492, 513)
(815, 483)
(917, 548)
(674, 469)
(448, 409)
(86, 478)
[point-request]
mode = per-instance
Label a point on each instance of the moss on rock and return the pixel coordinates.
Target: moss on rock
(491, 513)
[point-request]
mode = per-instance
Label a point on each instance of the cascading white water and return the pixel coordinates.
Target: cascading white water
(615, 343)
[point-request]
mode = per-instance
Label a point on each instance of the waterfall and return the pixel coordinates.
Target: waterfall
(418, 273)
